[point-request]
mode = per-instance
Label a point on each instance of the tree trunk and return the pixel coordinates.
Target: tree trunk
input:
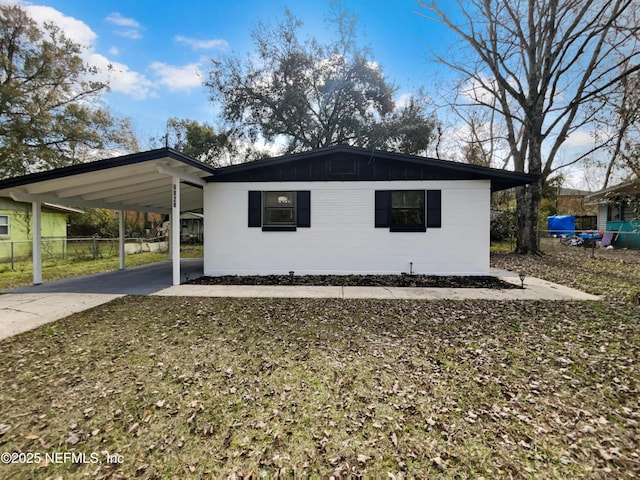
(528, 200)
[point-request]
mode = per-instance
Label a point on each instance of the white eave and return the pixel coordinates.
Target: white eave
(137, 182)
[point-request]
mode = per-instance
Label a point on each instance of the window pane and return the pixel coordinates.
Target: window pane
(4, 220)
(279, 199)
(279, 216)
(407, 198)
(4, 230)
(407, 216)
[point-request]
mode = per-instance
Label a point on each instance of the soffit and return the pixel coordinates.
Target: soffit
(140, 182)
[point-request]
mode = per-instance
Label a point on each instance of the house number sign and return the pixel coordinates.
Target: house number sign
(175, 195)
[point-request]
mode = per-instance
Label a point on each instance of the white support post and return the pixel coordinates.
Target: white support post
(175, 229)
(169, 246)
(121, 253)
(36, 229)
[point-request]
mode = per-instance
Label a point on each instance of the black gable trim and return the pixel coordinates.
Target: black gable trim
(344, 163)
(105, 164)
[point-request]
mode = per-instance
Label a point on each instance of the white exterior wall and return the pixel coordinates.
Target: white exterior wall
(342, 238)
(602, 218)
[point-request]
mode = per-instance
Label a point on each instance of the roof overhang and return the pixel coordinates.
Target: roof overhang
(631, 187)
(500, 179)
(138, 182)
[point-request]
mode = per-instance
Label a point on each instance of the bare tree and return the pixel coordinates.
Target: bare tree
(483, 136)
(550, 65)
(626, 121)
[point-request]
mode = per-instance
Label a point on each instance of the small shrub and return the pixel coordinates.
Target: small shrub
(503, 225)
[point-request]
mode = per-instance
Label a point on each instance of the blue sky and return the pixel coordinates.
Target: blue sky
(159, 48)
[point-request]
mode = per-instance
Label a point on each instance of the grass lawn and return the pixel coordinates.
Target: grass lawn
(212, 388)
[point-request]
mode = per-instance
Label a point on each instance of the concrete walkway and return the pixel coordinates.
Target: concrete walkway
(26, 308)
(535, 289)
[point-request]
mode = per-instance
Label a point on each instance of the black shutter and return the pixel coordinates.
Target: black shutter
(303, 205)
(383, 205)
(255, 208)
(434, 208)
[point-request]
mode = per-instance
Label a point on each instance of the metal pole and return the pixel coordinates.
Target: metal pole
(121, 215)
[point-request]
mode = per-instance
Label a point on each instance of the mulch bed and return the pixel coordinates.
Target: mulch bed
(359, 281)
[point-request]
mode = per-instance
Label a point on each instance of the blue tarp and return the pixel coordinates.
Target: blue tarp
(561, 224)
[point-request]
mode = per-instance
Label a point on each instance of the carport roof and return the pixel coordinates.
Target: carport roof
(140, 181)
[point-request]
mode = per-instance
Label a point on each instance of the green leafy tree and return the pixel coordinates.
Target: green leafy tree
(315, 95)
(198, 140)
(49, 110)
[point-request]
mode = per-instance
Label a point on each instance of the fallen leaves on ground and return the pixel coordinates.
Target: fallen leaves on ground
(217, 388)
(614, 274)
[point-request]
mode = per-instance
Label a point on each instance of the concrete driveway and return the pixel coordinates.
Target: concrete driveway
(26, 308)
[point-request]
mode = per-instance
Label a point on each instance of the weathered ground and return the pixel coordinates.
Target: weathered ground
(211, 388)
(615, 274)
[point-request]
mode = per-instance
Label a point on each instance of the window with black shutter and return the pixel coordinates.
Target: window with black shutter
(279, 211)
(407, 210)
(434, 208)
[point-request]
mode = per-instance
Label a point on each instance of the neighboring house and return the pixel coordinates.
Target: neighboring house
(15, 227)
(619, 212)
(191, 227)
(571, 201)
(335, 210)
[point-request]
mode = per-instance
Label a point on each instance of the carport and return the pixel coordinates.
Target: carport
(162, 181)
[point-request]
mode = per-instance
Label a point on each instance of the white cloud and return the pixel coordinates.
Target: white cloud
(74, 29)
(132, 31)
(121, 79)
(403, 101)
(118, 19)
(173, 77)
(195, 44)
(118, 75)
(579, 138)
(130, 34)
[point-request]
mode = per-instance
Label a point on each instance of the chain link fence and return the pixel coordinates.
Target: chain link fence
(77, 249)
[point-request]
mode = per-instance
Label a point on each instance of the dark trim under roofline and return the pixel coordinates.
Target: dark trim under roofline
(500, 179)
(105, 164)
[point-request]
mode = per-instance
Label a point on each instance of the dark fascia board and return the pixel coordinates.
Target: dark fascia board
(105, 164)
(500, 179)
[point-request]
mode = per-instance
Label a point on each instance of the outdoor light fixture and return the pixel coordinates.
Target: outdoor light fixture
(522, 275)
(291, 272)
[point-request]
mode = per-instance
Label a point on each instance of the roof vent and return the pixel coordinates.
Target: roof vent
(342, 166)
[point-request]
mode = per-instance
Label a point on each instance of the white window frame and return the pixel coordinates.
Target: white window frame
(7, 224)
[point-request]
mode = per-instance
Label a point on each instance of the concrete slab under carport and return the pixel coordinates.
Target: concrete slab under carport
(140, 280)
(26, 308)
